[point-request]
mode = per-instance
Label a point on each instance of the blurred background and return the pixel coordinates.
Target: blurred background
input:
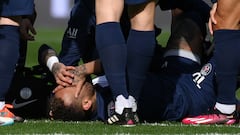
(55, 13)
(52, 17)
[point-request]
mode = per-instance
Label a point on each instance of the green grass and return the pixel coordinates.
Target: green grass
(98, 128)
(32, 126)
(52, 37)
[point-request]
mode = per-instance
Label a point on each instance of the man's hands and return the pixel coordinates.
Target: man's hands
(69, 75)
(27, 30)
(62, 75)
(80, 78)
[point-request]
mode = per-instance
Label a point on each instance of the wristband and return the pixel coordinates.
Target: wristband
(51, 60)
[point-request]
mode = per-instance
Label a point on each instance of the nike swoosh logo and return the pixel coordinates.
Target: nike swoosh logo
(19, 105)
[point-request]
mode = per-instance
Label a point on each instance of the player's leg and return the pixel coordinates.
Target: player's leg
(141, 43)
(10, 18)
(227, 46)
(111, 47)
(9, 52)
(227, 42)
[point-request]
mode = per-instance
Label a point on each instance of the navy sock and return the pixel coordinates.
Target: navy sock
(111, 47)
(140, 49)
(226, 54)
(9, 53)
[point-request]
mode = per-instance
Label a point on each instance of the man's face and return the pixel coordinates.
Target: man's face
(64, 101)
(67, 94)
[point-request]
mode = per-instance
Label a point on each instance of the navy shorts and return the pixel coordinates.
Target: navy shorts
(134, 2)
(16, 7)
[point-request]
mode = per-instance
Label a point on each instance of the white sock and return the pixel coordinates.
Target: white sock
(121, 103)
(2, 104)
(133, 103)
(226, 109)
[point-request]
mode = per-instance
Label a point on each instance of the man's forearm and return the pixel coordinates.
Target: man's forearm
(92, 67)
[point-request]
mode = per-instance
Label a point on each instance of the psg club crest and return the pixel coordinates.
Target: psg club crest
(206, 69)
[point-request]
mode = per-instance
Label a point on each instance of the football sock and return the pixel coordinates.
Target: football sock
(226, 54)
(111, 47)
(140, 49)
(9, 53)
(121, 103)
(2, 104)
(226, 109)
(133, 103)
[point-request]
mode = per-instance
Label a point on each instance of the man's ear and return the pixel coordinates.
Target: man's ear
(86, 104)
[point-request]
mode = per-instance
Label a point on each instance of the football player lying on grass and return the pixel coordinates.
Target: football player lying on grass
(181, 87)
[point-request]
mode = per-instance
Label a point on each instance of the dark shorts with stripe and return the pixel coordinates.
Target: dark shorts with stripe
(134, 2)
(16, 7)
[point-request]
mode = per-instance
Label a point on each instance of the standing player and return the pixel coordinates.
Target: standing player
(226, 34)
(119, 55)
(11, 12)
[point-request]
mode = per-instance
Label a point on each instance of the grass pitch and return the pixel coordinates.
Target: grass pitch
(98, 128)
(44, 126)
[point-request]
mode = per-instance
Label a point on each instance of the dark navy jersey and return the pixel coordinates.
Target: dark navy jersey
(83, 15)
(16, 7)
(175, 96)
(105, 104)
(79, 41)
(170, 96)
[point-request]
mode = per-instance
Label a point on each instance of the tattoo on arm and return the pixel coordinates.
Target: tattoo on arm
(80, 73)
(56, 68)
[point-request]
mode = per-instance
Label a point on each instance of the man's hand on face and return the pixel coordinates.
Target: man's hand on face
(79, 78)
(69, 75)
(62, 75)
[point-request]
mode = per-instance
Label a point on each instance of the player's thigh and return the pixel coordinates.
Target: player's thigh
(142, 15)
(108, 10)
(227, 14)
